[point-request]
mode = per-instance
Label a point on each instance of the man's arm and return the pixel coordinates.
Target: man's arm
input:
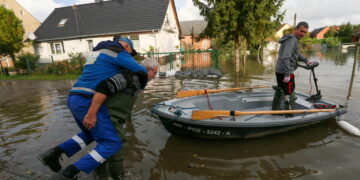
(107, 87)
(90, 117)
(286, 54)
(302, 58)
(124, 60)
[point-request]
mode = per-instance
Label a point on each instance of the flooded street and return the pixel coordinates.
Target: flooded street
(34, 117)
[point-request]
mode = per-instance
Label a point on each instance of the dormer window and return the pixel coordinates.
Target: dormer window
(62, 23)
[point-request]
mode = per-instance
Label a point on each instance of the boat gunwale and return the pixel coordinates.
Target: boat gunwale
(305, 118)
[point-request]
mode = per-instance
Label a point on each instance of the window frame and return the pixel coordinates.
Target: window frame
(62, 22)
(57, 48)
(90, 41)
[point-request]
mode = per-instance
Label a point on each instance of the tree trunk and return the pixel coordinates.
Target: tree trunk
(244, 47)
(12, 56)
(258, 54)
(2, 69)
(237, 56)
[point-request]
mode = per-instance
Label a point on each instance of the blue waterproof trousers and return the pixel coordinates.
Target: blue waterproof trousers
(104, 133)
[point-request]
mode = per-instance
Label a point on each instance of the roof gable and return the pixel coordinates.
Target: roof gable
(109, 17)
(193, 27)
(316, 31)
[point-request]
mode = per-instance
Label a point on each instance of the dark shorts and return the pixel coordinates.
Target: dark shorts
(288, 88)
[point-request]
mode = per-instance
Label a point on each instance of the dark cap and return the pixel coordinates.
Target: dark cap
(129, 42)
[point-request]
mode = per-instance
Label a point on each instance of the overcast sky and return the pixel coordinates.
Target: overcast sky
(317, 13)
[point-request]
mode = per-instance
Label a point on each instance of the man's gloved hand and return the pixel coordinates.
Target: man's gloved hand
(286, 79)
(309, 62)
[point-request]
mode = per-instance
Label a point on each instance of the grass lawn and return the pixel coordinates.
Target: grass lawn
(39, 77)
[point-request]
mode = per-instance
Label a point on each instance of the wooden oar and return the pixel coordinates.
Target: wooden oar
(209, 114)
(182, 94)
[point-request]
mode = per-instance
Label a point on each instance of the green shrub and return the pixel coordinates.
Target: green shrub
(26, 62)
(345, 39)
(331, 41)
(76, 62)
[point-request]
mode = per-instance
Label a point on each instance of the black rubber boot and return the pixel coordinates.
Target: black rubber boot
(67, 174)
(277, 98)
(288, 105)
(117, 170)
(293, 99)
(51, 158)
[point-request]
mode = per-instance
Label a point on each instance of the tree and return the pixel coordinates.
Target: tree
(289, 31)
(332, 32)
(26, 62)
(248, 23)
(11, 33)
(345, 30)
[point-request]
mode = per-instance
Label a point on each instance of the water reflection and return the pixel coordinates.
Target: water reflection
(240, 159)
(34, 117)
(334, 55)
(27, 109)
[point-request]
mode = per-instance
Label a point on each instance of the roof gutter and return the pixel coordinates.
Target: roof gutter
(91, 35)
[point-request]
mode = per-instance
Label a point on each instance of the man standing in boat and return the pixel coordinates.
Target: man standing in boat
(286, 64)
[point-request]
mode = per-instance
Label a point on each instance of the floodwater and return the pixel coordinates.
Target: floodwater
(34, 117)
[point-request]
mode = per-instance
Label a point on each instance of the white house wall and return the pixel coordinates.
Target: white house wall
(168, 38)
(147, 40)
(164, 40)
(70, 46)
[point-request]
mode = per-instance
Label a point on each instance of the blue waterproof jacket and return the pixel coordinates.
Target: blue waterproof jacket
(103, 64)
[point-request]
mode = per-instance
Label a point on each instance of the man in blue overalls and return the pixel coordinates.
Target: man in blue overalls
(107, 60)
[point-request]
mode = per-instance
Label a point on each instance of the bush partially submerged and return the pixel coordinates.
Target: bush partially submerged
(26, 63)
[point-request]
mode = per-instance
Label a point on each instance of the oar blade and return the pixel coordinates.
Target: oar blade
(182, 94)
(207, 114)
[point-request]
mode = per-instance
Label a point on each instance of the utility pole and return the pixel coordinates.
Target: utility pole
(294, 25)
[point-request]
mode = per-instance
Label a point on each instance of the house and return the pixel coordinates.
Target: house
(280, 32)
(150, 24)
(319, 33)
(356, 36)
(190, 35)
(30, 24)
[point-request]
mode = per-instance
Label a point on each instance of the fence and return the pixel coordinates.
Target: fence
(185, 59)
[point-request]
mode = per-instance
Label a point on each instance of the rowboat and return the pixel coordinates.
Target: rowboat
(240, 114)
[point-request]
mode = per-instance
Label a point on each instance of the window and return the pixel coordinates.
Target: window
(5, 6)
(57, 48)
(90, 44)
(167, 22)
(62, 23)
(135, 40)
(40, 49)
(52, 48)
(204, 44)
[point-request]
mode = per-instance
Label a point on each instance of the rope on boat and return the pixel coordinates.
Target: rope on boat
(208, 100)
(176, 110)
(258, 115)
(310, 84)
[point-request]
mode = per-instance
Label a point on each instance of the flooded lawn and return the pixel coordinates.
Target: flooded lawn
(34, 117)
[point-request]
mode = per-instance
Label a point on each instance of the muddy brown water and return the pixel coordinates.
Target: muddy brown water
(34, 117)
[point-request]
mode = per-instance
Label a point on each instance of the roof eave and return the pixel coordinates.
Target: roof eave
(91, 35)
